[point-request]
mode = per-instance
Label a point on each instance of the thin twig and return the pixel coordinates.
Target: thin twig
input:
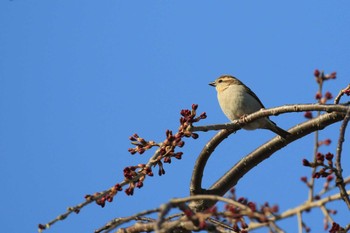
(341, 93)
(299, 209)
(119, 221)
(300, 222)
(330, 188)
(339, 171)
(316, 146)
(312, 179)
(277, 228)
(326, 214)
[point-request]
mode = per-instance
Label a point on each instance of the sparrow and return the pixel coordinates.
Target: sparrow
(237, 100)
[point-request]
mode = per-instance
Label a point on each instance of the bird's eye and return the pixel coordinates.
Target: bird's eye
(220, 81)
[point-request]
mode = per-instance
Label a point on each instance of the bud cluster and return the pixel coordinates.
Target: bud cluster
(336, 228)
(322, 99)
(108, 196)
(326, 168)
(134, 176)
(188, 118)
(320, 162)
(168, 146)
(321, 76)
(141, 145)
(167, 150)
(236, 214)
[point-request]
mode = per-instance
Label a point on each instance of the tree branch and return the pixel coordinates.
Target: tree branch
(340, 180)
(185, 225)
(231, 178)
(304, 207)
(238, 124)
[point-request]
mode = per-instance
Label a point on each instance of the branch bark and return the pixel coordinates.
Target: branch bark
(339, 170)
(231, 178)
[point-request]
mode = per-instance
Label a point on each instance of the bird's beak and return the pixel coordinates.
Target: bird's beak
(213, 84)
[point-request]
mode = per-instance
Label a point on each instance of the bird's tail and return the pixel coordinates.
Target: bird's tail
(273, 127)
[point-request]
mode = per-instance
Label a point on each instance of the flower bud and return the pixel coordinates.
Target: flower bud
(317, 73)
(194, 135)
(318, 96)
(304, 179)
(333, 75)
(329, 156)
(308, 115)
(328, 95)
(306, 163)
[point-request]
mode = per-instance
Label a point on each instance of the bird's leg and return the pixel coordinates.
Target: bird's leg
(243, 117)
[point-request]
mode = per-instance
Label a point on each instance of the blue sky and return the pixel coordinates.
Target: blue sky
(77, 78)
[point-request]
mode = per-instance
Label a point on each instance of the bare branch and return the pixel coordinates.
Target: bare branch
(119, 221)
(184, 224)
(231, 178)
(272, 111)
(340, 180)
(346, 91)
(299, 209)
(300, 222)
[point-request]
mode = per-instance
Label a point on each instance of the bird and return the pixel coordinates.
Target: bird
(237, 100)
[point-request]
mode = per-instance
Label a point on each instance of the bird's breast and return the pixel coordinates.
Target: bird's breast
(236, 102)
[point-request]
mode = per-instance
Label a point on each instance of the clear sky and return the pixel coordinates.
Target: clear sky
(77, 78)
